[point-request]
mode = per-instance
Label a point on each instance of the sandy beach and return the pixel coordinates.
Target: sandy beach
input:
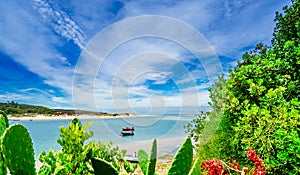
(66, 117)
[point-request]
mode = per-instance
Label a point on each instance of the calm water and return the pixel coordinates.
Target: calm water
(168, 130)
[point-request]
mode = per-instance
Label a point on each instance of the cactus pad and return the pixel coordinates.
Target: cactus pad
(18, 150)
(2, 165)
(3, 126)
(143, 160)
(3, 122)
(152, 158)
(195, 170)
(103, 167)
(182, 161)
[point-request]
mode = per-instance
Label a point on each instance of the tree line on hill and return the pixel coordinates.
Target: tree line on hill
(16, 108)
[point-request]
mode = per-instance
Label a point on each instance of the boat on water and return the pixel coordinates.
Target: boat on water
(131, 159)
(128, 129)
(127, 133)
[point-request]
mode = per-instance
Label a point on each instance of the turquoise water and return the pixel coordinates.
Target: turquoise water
(168, 130)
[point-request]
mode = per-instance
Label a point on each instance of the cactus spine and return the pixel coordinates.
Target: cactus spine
(103, 167)
(18, 151)
(182, 161)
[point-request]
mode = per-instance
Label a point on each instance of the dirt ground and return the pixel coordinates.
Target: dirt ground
(160, 169)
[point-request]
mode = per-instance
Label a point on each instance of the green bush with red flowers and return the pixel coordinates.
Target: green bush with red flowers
(258, 102)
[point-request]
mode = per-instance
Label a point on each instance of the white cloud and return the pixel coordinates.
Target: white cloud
(60, 21)
(30, 42)
(64, 60)
(13, 96)
(229, 26)
(121, 66)
(59, 100)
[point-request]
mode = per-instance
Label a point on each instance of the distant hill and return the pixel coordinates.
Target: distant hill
(11, 108)
(16, 108)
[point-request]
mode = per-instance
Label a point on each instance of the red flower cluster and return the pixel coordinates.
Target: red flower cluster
(214, 167)
(217, 167)
(258, 162)
(235, 165)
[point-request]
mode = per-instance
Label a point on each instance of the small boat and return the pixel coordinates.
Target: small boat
(128, 129)
(127, 133)
(131, 159)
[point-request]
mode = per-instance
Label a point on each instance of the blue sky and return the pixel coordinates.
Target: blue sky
(44, 42)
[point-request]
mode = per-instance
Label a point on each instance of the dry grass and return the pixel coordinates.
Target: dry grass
(160, 169)
(162, 165)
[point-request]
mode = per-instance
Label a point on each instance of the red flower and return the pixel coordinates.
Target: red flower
(258, 162)
(214, 167)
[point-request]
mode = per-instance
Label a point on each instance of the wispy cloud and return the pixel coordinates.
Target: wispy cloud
(60, 21)
(64, 60)
(13, 96)
(31, 43)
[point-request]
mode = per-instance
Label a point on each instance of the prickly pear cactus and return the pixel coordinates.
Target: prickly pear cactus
(18, 150)
(195, 170)
(3, 122)
(182, 161)
(152, 158)
(2, 164)
(103, 167)
(143, 160)
(3, 126)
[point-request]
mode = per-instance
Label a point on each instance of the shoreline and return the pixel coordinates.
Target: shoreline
(67, 117)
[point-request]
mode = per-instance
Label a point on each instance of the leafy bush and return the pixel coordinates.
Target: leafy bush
(260, 102)
(263, 98)
(75, 156)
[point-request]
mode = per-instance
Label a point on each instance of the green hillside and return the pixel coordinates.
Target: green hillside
(15, 108)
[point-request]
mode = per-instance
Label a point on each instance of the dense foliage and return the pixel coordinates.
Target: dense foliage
(259, 102)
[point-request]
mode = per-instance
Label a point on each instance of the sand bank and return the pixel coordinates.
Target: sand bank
(66, 117)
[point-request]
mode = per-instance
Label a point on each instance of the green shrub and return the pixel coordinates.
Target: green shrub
(260, 102)
(75, 156)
